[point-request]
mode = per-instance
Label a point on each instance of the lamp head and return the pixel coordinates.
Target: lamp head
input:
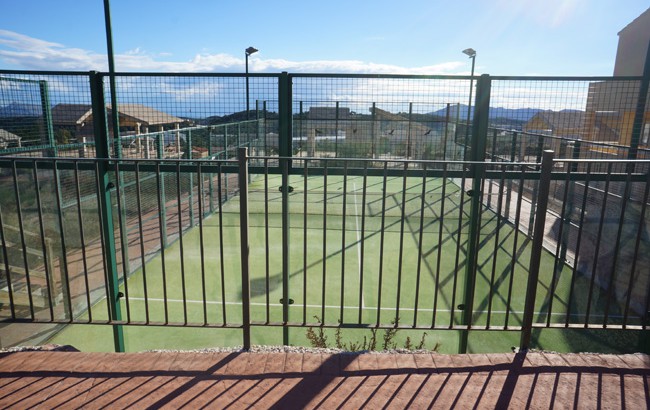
(251, 50)
(470, 52)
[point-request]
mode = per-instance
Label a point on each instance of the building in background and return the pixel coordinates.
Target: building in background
(611, 105)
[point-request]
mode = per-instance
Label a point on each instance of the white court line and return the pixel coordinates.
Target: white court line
(503, 312)
(356, 214)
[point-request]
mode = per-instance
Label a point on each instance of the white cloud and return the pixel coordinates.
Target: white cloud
(31, 53)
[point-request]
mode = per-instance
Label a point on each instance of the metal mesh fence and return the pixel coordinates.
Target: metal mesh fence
(377, 117)
(49, 209)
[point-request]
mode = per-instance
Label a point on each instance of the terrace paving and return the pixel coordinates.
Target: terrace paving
(287, 380)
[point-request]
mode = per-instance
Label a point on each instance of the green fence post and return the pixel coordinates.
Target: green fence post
(266, 144)
(160, 138)
(477, 155)
(191, 178)
(226, 157)
(285, 148)
(102, 145)
(210, 177)
(257, 128)
(47, 118)
(373, 117)
(408, 135)
(336, 131)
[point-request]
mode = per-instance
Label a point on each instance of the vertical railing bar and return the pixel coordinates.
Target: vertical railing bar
(163, 233)
(64, 255)
(5, 258)
(537, 248)
(436, 289)
(222, 266)
(201, 241)
(639, 234)
(124, 242)
(599, 236)
(515, 252)
(179, 205)
(559, 261)
(578, 242)
(363, 238)
(46, 260)
(496, 245)
(304, 239)
(343, 229)
(324, 273)
(23, 244)
(242, 155)
(617, 243)
(381, 243)
(401, 246)
(418, 269)
(82, 239)
(143, 258)
(267, 241)
(458, 247)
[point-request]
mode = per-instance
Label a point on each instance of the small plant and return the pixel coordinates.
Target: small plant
(317, 338)
(389, 335)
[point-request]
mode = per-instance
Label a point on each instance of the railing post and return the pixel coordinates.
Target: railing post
(536, 251)
(102, 146)
(477, 155)
(242, 157)
(284, 98)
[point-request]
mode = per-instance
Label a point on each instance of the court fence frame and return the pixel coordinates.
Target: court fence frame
(550, 184)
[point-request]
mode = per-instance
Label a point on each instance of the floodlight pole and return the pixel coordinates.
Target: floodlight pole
(472, 54)
(248, 51)
(104, 147)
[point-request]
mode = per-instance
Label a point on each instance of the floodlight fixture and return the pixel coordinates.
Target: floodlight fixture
(470, 52)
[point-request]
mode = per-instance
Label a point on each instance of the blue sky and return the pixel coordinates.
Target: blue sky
(512, 37)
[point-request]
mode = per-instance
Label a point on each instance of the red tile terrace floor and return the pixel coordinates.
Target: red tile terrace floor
(70, 379)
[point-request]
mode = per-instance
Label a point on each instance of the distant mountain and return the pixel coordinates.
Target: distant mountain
(516, 114)
(20, 110)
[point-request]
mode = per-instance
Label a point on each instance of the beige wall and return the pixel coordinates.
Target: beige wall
(633, 46)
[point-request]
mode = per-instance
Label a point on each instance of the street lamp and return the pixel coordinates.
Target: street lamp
(249, 51)
(472, 54)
